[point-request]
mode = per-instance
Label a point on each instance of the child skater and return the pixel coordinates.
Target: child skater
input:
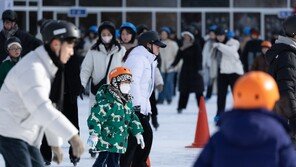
(112, 119)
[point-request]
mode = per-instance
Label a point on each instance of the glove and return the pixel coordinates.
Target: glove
(159, 87)
(77, 146)
(57, 154)
(137, 109)
(154, 121)
(140, 140)
(215, 45)
(92, 141)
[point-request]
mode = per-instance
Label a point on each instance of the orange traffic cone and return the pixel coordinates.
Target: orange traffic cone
(202, 133)
(148, 162)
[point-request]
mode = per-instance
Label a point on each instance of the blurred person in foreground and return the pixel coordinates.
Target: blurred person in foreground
(250, 134)
(31, 99)
(282, 65)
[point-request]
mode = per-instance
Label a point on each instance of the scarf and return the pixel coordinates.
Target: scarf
(57, 86)
(10, 33)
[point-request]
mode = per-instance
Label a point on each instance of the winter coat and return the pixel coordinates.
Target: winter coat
(282, 66)
(25, 106)
(230, 61)
(249, 138)
(142, 65)
(95, 64)
(190, 79)
(260, 63)
(168, 55)
(112, 119)
(28, 42)
(251, 51)
(5, 67)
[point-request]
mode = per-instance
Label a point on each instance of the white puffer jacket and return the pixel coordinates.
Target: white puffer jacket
(95, 65)
(25, 108)
(168, 55)
(142, 65)
(230, 62)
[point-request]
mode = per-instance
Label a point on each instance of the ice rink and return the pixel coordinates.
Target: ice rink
(175, 132)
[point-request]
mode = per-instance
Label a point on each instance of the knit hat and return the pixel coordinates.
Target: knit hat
(12, 41)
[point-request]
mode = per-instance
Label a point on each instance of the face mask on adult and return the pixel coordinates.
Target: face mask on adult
(107, 39)
(125, 88)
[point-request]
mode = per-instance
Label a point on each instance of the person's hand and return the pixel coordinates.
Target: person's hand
(140, 140)
(77, 145)
(159, 87)
(57, 154)
(215, 45)
(154, 121)
(137, 109)
(92, 141)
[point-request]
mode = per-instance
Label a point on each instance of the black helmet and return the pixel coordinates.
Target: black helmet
(150, 37)
(59, 29)
(109, 25)
(9, 15)
(10, 40)
(289, 26)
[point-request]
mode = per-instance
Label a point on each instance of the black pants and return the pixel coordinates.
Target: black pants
(153, 104)
(104, 157)
(18, 153)
(184, 96)
(135, 156)
(71, 112)
(224, 80)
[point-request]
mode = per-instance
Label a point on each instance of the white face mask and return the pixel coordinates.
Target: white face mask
(107, 39)
(125, 88)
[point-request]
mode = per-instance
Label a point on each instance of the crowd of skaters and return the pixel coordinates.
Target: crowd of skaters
(193, 64)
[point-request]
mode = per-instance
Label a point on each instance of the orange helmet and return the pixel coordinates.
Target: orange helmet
(266, 44)
(119, 74)
(255, 89)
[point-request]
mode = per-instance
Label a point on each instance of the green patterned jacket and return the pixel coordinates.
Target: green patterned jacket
(113, 119)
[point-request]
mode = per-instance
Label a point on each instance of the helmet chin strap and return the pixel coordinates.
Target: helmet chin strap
(150, 49)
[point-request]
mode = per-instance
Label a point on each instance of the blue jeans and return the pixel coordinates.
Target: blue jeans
(168, 89)
(18, 153)
(112, 158)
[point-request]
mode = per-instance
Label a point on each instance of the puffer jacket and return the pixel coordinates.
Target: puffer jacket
(25, 107)
(112, 119)
(230, 62)
(282, 66)
(95, 64)
(168, 55)
(142, 65)
(249, 138)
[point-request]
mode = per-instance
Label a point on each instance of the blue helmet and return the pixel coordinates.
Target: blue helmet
(93, 29)
(128, 25)
(166, 29)
(230, 34)
(247, 30)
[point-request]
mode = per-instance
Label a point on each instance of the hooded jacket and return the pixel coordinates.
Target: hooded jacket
(282, 66)
(256, 138)
(112, 119)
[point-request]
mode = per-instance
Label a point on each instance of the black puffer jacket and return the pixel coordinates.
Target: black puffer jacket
(282, 66)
